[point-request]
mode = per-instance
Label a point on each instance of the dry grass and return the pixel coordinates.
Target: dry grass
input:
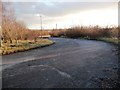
(22, 45)
(96, 33)
(91, 32)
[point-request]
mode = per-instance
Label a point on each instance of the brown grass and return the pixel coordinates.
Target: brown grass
(89, 32)
(23, 45)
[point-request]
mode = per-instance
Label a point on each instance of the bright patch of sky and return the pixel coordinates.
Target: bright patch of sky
(66, 14)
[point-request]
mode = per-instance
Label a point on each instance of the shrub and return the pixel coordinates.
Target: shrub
(89, 32)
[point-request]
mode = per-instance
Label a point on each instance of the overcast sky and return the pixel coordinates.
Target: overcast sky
(66, 14)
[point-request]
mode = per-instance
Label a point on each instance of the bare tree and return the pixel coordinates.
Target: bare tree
(11, 28)
(7, 21)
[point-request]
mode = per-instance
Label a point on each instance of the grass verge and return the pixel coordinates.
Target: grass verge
(7, 48)
(109, 40)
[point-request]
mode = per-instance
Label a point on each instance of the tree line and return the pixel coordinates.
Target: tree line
(89, 32)
(13, 30)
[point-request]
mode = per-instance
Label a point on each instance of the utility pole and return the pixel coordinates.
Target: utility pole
(56, 26)
(41, 25)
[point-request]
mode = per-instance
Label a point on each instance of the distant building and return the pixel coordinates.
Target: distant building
(45, 36)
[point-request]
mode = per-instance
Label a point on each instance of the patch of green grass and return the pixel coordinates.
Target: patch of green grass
(23, 46)
(110, 40)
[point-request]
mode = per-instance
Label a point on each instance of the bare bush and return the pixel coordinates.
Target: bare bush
(89, 32)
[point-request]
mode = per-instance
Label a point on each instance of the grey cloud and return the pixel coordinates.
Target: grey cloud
(51, 11)
(55, 9)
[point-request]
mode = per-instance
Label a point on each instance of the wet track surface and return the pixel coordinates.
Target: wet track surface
(69, 63)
